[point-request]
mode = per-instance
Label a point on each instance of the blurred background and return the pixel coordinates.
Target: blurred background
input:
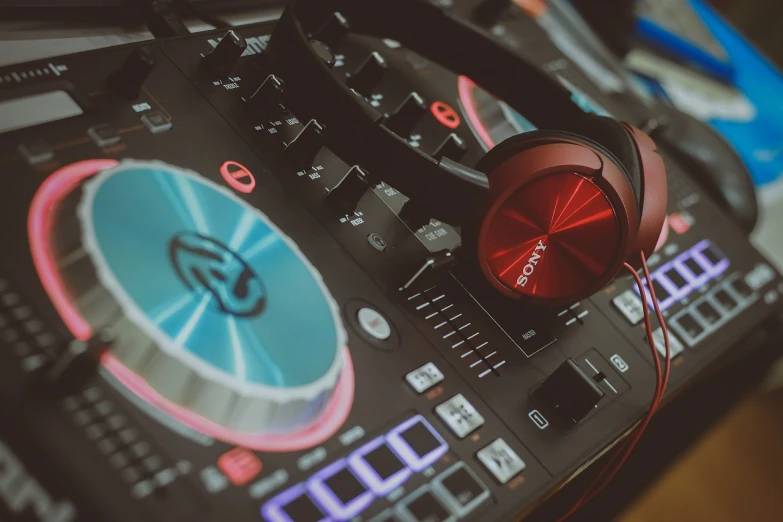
(718, 61)
(760, 20)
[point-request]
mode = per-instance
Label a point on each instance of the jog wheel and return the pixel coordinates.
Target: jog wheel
(219, 318)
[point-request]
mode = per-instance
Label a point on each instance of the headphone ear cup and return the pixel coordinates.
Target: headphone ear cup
(654, 197)
(637, 153)
(559, 218)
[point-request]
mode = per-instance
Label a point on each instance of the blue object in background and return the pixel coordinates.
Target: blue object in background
(760, 141)
(684, 49)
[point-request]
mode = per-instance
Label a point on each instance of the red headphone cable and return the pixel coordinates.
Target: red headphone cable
(624, 451)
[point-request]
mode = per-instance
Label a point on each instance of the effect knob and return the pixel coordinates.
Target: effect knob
(134, 71)
(364, 79)
(405, 117)
(301, 151)
(205, 298)
(345, 196)
(568, 394)
(225, 55)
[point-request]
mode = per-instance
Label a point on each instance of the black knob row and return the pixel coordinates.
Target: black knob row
(367, 76)
(226, 54)
(405, 117)
(301, 151)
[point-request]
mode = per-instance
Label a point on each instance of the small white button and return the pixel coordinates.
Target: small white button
(460, 416)
(501, 461)
(424, 378)
(630, 305)
(675, 346)
(374, 323)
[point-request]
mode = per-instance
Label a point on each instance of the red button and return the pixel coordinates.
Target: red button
(238, 177)
(679, 223)
(445, 114)
(239, 465)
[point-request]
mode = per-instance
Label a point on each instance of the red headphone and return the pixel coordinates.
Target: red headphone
(565, 211)
(552, 215)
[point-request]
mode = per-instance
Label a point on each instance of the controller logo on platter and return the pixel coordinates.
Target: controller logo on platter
(206, 265)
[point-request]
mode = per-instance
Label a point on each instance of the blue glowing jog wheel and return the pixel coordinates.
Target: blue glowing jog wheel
(211, 304)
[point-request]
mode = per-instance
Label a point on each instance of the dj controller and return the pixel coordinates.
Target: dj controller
(207, 313)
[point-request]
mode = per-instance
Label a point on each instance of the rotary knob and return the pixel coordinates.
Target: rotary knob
(452, 147)
(225, 55)
(301, 151)
(345, 196)
(268, 95)
(369, 73)
(205, 298)
(406, 115)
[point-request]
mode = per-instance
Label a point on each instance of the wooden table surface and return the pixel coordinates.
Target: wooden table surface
(733, 474)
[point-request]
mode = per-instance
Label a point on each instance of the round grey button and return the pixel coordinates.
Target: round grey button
(377, 242)
(374, 323)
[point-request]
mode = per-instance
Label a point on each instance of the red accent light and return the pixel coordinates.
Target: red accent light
(239, 465)
(447, 116)
(39, 225)
(465, 86)
(241, 179)
(534, 8)
(552, 237)
(679, 223)
(330, 421)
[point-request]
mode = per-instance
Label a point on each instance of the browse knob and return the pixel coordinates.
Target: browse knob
(324, 52)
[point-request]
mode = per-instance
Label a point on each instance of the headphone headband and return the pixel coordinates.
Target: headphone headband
(355, 130)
